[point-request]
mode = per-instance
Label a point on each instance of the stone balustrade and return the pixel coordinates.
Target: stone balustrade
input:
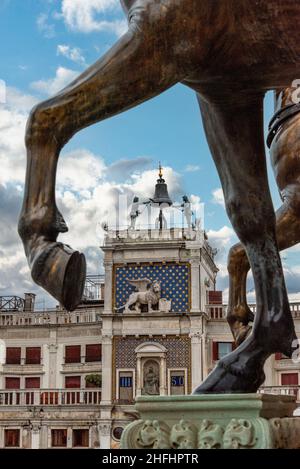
(281, 391)
(50, 397)
(50, 317)
(218, 312)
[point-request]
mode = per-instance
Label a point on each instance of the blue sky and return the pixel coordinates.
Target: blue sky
(46, 43)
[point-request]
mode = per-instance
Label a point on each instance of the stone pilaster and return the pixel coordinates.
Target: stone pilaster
(105, 432)
(195, 286)
(197, 358)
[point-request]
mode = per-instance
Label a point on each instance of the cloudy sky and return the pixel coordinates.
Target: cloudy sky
(44, 45)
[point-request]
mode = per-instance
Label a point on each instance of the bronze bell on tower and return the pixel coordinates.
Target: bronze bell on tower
(161, 195)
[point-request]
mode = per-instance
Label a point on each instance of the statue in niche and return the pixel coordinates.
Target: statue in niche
(151, 379)
(228, 52)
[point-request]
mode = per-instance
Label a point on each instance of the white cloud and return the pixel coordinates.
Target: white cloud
(192, 168)
(79, 171)
(218, 197)
(46, 28)
(13, 117)
(72, 53)
(88, 16)
(62, 78)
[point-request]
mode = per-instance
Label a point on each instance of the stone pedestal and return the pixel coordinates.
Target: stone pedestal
(214, 421)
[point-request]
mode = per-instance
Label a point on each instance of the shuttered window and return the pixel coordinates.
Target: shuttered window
(12, 383)
(93, 353)
(80, 438)
(13, 355)
(59, 438)
(33, 355)
(72, 354)
(289, 379)
(72, 382)
(12, 438)
(32, 383)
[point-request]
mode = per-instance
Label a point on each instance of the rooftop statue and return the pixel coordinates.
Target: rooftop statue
(230, 53)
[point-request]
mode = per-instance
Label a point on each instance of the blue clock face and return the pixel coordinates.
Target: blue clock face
(174, 280)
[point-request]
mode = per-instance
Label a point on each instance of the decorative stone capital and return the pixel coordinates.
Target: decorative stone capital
(52, 348)
(105, 429)
(213, 422)
(196, 336)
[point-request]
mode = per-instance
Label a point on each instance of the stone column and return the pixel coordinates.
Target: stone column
(104, 432)
(139, 383)
(163, 391)
(197, 359)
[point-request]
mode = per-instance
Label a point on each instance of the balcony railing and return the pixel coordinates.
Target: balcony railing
(282, 390)
(218, 312)
(50, 397)
(50, 317)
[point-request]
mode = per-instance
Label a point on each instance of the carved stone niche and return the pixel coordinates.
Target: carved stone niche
(151, 369)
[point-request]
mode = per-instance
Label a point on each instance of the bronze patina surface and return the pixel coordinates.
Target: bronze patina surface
(230, 52)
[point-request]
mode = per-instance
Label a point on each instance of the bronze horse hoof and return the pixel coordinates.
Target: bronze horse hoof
(61, 271)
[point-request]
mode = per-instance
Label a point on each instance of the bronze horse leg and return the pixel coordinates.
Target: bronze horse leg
(234, 126)
(117, 82)
(284, 151)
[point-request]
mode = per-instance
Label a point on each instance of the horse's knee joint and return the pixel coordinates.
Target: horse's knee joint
(39, 123)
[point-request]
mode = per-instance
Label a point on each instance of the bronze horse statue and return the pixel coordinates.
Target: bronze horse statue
(230, 53)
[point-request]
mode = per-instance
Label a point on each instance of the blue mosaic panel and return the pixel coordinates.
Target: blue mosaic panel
(174, 280)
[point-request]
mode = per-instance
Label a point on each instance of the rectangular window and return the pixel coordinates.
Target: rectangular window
(33, 355)
(72, 382)
(12, 383)
(93, 353)
(289, 379)
(126, 386)
(73, 354)
(80, 438)
(12, 438)
(221, 349)
(59, 438)
(13, 355)
(177, 385)
(32, 383)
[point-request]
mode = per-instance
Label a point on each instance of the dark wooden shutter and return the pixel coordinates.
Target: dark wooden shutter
(12, 383)
(32, 383)
(80, 438)
(93, 353)
(13, 355)
(215, 297)
(72, 354)
(33, 355)
(72, 382)
(59, 438)
(215, 351)
(289, 379)
(12, 438)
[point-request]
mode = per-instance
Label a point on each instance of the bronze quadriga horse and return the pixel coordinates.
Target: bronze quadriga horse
(230, 52)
